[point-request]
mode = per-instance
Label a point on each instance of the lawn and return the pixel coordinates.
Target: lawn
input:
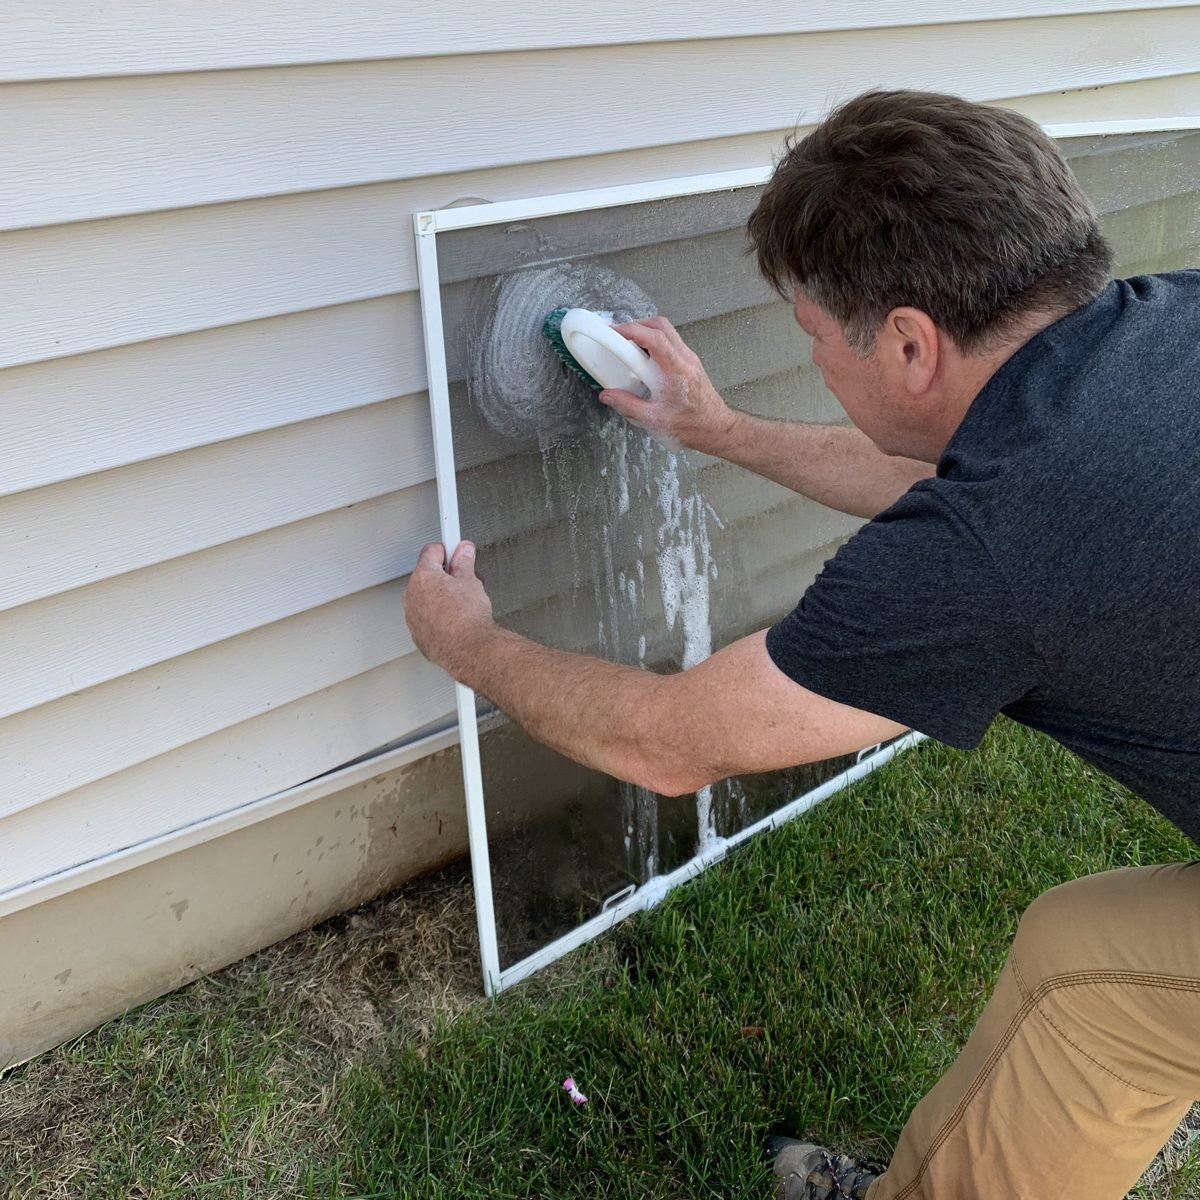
(818, 981)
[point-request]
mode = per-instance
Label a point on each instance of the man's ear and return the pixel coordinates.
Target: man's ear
(910, 344)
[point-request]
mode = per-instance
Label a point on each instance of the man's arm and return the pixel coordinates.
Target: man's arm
(836, 465)
(735, 712)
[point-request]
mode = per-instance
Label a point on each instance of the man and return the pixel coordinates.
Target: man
(957, 291)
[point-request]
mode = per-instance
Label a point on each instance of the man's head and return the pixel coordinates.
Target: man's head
(966, 212)
(933, 209)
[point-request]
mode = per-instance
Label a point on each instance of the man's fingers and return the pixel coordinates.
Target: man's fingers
(432, 556)
(639, 332)
(462, 565)
(654, 340)
(631, 407)
(657, 323)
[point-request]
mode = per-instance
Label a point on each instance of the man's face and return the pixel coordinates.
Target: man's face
(858, 382)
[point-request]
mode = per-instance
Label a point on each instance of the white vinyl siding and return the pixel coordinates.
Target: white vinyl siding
(136, 36)
(216, 470)
(103, 147)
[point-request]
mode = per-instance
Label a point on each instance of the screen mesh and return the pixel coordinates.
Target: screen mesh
(595, 537)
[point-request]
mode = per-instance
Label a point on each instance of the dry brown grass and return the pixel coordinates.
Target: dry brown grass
(394, 966)
(1175, 1173)
(281, 1025)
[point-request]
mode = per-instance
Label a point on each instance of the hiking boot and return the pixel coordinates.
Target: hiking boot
(808, 1172)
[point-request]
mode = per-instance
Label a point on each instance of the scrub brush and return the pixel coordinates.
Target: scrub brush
(589, 345)
(552, 329)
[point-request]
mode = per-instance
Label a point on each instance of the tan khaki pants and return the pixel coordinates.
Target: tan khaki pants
(1086, 1058)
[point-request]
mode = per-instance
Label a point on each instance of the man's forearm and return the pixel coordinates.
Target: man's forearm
(734, 712)
(583, 707)
(836, 465)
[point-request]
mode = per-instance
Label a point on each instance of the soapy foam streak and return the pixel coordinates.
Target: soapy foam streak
(646, 500)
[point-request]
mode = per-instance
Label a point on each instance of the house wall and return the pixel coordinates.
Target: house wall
(216, 467)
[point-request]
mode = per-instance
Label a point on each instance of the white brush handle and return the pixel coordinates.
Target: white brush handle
(609, 358)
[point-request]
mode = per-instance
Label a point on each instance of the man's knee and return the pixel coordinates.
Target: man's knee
(1110, 921)
(1044, 928)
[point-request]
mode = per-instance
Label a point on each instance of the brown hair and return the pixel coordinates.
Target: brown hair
(965, 212)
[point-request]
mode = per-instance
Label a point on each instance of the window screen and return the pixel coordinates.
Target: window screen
(593, 536)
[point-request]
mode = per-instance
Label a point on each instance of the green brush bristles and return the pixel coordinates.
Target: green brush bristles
(552, 328)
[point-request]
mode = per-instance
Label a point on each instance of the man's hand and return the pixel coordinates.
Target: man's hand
(835, 465)
(685, 407)
(446, 607)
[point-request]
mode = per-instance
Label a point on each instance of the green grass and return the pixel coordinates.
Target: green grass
(818, 981)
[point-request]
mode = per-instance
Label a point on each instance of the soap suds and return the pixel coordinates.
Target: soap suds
(650, 507)
(515, 380)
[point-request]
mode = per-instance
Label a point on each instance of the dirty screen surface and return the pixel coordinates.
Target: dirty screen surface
(595, 537)
(1146, 188)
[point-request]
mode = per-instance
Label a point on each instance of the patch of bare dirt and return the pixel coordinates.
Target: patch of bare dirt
(389, 968)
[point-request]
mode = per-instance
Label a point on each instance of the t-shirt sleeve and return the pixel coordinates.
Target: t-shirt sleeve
(912, 620)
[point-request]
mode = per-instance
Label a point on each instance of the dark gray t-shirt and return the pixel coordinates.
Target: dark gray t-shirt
(1051, 569)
